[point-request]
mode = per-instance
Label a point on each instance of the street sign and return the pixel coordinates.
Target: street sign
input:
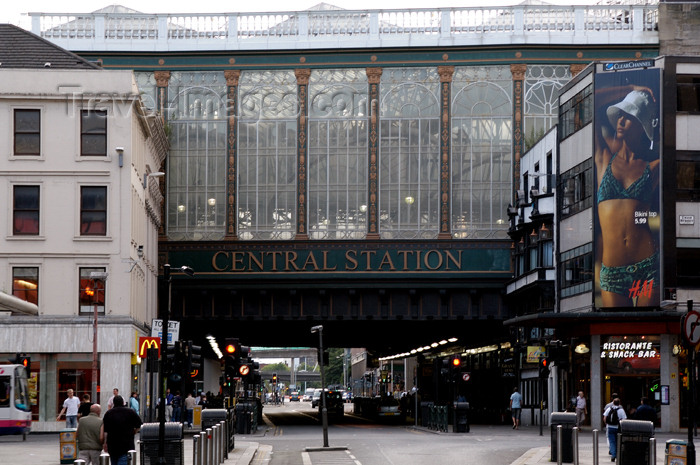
(691, 327)
(466, 376)
(173, 330)
(146, 343)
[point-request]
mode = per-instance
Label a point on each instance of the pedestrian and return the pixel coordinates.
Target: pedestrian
(612, 417)
(110, 402)
(645, 412)
(189, 408)
(607, 406)
(70, 409)
(134, 402)
(168, 405)
(177, 407)
(515, 407)
(119, 426)
(88, 436)
(203, 401)
(84, 409)
(581, 409)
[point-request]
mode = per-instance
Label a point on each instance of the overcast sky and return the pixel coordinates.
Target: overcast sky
(15, 12)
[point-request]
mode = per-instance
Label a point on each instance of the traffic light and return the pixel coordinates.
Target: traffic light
(194, 358)
(232, 351)
(323, 358)
(544, 367)
(24, 360)
(274, 378)
(232, 347)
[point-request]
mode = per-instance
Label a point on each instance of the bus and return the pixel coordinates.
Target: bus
(15, 409)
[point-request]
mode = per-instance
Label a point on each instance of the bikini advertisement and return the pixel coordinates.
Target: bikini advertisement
(627, 196)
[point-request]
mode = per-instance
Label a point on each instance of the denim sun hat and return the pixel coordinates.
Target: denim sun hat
(638, 105)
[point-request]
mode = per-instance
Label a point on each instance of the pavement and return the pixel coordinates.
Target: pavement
(46, 451)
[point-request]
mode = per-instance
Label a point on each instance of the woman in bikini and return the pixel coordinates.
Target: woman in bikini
(627, 174)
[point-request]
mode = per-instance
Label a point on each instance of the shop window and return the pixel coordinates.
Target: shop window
(92, 291)
(25, 214)
(25, 284)
(93, 211)
(76, 376)
(27, 135)
(93, 132)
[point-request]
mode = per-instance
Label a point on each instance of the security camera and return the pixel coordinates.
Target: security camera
(139, 251)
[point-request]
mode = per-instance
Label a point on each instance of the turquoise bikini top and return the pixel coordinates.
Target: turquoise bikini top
(641, 189)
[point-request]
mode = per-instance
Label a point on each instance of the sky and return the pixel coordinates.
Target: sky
(15, 12)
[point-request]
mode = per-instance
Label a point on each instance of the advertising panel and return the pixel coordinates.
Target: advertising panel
(627, 196)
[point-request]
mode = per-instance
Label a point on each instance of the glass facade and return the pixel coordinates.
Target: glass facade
(337, 117)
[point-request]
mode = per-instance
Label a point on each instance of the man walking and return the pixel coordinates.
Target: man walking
(84, 409)
(119, 426)
(581, 409)
(88, 436)
(70, 409)
(189, 407)
(515, 407)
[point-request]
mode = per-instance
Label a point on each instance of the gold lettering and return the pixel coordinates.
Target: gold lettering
(289, 258)
(418, 268)
(351, 257)
(274, 259)
(426, 259)
(368, 255)
(451, 258)
(405, 254)
(237, 259)
(258, 260)
(325, 262)
(310, 260)
(215, 258)
(386, 259)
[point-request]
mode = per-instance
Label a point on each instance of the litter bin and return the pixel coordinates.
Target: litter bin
(425, 408)
(173, 443)
(633, 438)
(244, 420)
(212, 416)
(461, 420)
(567, 421)
(69, 445)
(676, 452)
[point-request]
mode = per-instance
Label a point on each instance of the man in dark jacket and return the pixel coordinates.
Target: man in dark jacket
(119, 426)
(645, 411)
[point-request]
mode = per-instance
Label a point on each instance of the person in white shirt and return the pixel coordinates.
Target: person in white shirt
(70, 409)
(612, 417)
(110, 402)
(581, 410)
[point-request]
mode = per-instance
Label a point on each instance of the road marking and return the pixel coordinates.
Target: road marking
(329, 458)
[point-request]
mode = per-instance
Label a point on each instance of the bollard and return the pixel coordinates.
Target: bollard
(131, 457)
(215, 444)
(79, 462)
(210, 447)
(560, 448)
(104, 458)
(652, 450)
(595, 447)
(196, 450)
(205, 448)
(222, 441)
(574, 432)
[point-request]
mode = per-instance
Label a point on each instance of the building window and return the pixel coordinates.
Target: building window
(25, 284)
(688, 180)
(93, 211)
(688, 94)
(25, 215)
(93, 132)
(576, 113)
(92, 291)
(577, 270)
(27, 132)
(577, 189)
(688, 271)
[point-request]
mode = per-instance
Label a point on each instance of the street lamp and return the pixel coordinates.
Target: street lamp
(324, 411)
(95, 275)
(164, 356)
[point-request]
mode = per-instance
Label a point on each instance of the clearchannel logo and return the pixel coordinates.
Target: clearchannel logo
(618, 66)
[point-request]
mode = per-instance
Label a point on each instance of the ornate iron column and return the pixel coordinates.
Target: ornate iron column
(302, 151)
(232, 76)
(374, 76)
(518, 72)
(446, 73)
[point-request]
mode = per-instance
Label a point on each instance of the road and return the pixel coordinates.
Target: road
(293, 427)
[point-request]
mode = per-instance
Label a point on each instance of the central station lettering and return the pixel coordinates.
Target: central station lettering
(324, 260)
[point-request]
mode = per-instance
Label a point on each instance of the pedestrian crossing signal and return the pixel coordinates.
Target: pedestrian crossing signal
(544, 367)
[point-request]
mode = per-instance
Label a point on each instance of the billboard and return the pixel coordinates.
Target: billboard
(627, 163)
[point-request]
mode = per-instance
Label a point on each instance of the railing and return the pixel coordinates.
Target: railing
(346, 28)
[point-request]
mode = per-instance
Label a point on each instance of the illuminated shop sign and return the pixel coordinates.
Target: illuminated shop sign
(631, 354)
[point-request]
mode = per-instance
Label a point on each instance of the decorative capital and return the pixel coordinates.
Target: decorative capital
(446, 73)
(162, 78)
(232, 76)
(302, 75)
(518, 71)
(374, 75)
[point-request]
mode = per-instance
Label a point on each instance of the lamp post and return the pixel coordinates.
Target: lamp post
(163, 357)
(95, 275)
(324, 411)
